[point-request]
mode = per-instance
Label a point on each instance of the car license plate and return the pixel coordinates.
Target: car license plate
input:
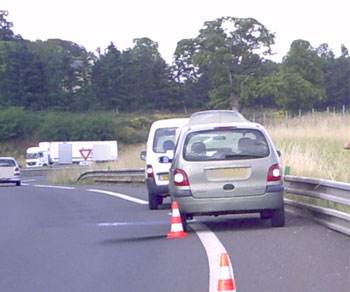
(164, 177)
(227, 173)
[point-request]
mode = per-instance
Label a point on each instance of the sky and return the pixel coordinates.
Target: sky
(95, 24)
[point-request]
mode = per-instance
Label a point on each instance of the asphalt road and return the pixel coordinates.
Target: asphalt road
(75, 239)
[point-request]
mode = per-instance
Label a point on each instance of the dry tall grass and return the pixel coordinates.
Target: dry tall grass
(313, 146)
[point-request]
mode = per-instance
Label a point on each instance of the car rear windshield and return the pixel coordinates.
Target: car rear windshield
(225, 144)
(164, 140)
(7, 162)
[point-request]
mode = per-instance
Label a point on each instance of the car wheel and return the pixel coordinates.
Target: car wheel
(265, 214)
(154, 201)
(18, 183)
(277, 218)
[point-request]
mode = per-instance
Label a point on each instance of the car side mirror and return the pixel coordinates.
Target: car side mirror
(143, 155)
(279, 153)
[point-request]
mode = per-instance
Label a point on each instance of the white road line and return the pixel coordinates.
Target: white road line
(214, 249)
(55, 187)
(121, 196)
(212, 245)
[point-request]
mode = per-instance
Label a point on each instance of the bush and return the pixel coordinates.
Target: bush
(16, 123)
(77, 127)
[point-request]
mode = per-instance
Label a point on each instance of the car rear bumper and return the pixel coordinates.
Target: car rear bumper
(217, 206)
(10, 180)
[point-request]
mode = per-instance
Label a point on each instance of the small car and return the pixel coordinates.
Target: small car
(224, 164)
(9, 171)
(161, 140)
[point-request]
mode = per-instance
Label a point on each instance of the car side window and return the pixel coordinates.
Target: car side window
(164, 140)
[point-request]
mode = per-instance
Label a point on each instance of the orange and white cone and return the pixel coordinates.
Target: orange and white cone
(226, 281)
(176, 230)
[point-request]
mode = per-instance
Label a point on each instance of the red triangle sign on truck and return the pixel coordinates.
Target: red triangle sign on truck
(85, 153)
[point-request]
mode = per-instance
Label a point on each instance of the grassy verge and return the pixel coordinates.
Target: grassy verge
(311, 145)
(314, 147)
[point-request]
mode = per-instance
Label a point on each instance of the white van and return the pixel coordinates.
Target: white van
(161, 141)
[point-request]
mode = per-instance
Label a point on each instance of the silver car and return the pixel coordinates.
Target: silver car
(224, 164)
(9, 171)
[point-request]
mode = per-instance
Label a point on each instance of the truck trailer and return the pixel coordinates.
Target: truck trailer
(69, 152)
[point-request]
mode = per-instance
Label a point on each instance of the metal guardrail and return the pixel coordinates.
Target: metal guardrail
(115, 176)
(335, 192)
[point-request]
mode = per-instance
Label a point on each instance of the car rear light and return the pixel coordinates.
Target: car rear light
(180, 178)
(149, 171)
(17, 169)
(274, 173)
(225, 128)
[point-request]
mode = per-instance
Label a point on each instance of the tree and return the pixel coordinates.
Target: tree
(229, 47)
(289, 90)
(6, 34)
(145, 76)
(303, 59)
(106, 79)
(336, 76)
(22, 81)
(67, 68)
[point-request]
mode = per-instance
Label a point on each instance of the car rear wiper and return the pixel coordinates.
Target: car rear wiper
(242, 156)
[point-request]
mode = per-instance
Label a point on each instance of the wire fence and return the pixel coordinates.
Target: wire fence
(271, 118)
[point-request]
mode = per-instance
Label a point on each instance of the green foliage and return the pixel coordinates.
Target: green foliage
(228, 47)
(223, 67)
(16, 123)
(6, 33)
(140, 123)
(58, 126)
(290, 91)
(220, 97)
(71, 127)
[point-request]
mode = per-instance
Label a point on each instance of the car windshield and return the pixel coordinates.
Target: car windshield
(227, 144)
(164, 140)
(7, 162)
(32, 155)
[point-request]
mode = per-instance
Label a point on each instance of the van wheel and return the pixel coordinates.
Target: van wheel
(277, 218)
(154, 201)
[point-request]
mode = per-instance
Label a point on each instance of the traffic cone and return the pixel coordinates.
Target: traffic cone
(226, 281)
(176, 223)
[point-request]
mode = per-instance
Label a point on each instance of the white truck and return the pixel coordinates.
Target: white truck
(69, 152)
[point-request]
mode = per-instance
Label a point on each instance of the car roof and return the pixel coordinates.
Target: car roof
(176, 122)
(237, 125)
(217, 116)
(10, 158)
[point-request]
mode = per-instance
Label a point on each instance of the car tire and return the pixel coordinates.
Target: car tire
(184, 222)
(265, 214)
(18, 183)
(277, 218)
(154, 201)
